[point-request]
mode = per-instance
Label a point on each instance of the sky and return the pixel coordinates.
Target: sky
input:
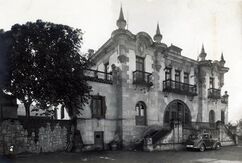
(185, 23)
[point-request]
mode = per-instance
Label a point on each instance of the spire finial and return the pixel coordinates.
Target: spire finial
(222, 56)
(222, 61)
(121, 22)
(121, 14)
(203, 54)
(157, 37)
(202, 51)
(158, 29)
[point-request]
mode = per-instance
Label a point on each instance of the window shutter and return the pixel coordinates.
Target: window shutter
(91, 106)
(104, 106)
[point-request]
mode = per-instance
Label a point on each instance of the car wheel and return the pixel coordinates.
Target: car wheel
(218, 146)
(202, 148)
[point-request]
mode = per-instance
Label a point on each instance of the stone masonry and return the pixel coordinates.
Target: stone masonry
(48, 138)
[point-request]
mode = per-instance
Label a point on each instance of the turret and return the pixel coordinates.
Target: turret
(203, 54)
(157, 37)
(121, 22)
(222, 61)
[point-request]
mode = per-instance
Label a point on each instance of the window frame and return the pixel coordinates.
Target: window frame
(168, 73)
(211, 82)
(177, 75)
(100, 111)
(141, 61)
(106, 67)
(140, 119)
(186, 78)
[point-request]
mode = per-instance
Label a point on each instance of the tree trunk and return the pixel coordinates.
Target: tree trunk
(77, 142)
(27, 109)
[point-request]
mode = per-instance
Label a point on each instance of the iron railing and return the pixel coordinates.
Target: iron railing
(200, 125)
(142, 78)
(98, 76)
(214, 93)
(179, 87)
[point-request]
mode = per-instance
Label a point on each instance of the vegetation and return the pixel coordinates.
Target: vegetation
(46, 67)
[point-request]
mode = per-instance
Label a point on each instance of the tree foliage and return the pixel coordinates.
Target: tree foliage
(46, 66)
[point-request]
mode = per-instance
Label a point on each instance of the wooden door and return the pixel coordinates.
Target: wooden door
(99, 140)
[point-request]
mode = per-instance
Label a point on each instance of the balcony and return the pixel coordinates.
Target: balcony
(98, 76)
(179, 87)
(214, 93)
(142, 78)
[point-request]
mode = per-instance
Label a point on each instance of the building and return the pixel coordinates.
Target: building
(8, 106)
(140, 82)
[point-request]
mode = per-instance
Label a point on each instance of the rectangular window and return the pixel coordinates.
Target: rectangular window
(211, 82)
(140, 63)
(167, 73)
(177, 75)
(98, 106)
(140, 68)
(186, 77)
(106, 67)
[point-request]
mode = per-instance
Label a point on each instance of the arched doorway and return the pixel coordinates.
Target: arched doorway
(177, 111)
(211, 116)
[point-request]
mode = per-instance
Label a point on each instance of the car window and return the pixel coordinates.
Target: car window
(205, 136)
(193, 137)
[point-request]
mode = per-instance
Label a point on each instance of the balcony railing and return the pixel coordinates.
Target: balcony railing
(179, 87)
(214, 93)
(200, 125)
(98, 76)
(142, 78)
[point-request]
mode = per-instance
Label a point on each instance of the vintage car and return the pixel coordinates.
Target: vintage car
(202, 142)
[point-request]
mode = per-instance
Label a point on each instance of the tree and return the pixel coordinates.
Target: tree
(47, 68)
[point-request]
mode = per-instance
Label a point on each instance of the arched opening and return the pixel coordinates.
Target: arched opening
(177, 111)
(211, 116)
(222, 116)
(140, 117)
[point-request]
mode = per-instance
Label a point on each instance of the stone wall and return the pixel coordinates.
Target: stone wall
(109, 125)
(226, 137)
(34, 135)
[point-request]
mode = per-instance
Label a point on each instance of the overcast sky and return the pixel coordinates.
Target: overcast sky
(184, 23)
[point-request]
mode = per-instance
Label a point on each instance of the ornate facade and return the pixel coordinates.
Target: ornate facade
(140, 82)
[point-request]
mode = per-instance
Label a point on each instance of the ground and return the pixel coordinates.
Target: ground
(232, 154)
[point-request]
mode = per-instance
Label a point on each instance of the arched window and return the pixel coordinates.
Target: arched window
(222, 116)
(140, 117)
(177, 111)
(211, 116)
